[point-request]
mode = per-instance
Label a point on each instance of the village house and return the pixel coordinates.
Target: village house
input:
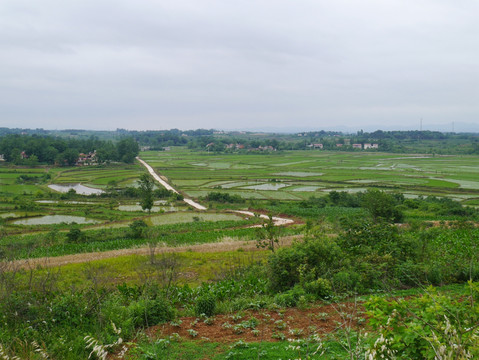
(357, 146)
(371, 146)
(266, 148)
(87, 159)
(315, 146)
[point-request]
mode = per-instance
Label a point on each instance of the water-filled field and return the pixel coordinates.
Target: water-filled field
(55, 219)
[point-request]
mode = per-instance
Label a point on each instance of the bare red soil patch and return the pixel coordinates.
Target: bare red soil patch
(264, 325)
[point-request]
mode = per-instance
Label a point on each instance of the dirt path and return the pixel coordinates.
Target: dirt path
(168, 186)
(276, 220)
(222, 246)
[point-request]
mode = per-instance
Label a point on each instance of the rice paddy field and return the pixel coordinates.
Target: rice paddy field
(297, 175)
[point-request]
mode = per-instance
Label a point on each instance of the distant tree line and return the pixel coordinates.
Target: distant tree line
(39, 149)
(430, 142)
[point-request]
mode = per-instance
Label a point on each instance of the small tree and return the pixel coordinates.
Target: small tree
(75, 235)
(138, 228)
(268, 235)
(146, 189)
(382, 205)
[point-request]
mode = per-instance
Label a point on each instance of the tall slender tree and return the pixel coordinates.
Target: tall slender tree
(146, 189)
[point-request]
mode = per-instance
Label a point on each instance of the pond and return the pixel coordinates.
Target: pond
(271, 186)
(55, 219)
(79, 188)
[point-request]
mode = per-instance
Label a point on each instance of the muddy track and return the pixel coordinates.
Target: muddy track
(222, 246)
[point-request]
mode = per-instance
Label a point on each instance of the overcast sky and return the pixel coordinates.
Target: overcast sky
(263, 64)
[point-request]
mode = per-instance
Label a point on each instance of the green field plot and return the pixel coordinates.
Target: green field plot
(187, 217)
(100, 176)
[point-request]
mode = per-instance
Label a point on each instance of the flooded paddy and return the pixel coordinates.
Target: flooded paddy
(273, 186)
(307, 188)
(55, 219)
(8, 215)
(79, 189)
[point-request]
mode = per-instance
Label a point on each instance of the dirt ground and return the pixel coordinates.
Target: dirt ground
(270, 325)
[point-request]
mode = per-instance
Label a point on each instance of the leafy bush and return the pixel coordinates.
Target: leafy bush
(382, 206)
(147, 312)
(137, 229)
(320, 257)
(291, 297)
(321, 288)
(432, 326)
(224, 197)
(346, 281)
(206, 305)
(75, 235)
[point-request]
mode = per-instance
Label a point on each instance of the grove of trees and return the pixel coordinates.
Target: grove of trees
(38, 149)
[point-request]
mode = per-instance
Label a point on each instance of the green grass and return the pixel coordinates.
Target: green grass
(186, 217)
(192, 350)
(192, 268)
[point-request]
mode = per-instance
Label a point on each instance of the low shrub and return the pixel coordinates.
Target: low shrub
(206, 304)
(291, 297)
(320, 288)
(146, 312)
